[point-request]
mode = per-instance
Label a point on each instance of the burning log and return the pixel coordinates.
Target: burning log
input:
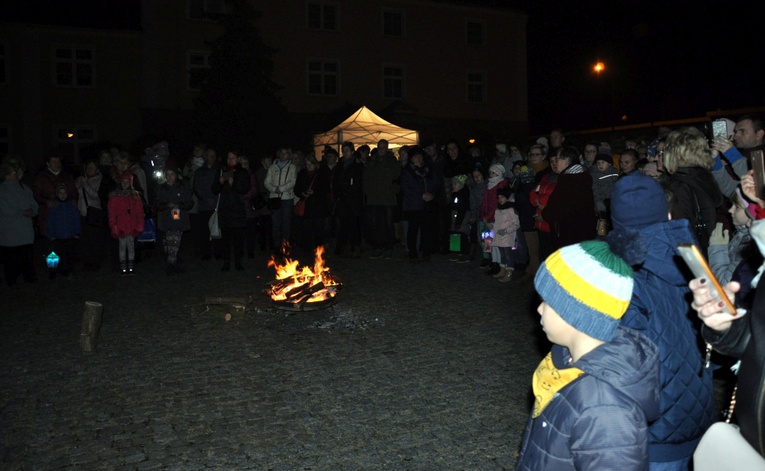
(296, 286)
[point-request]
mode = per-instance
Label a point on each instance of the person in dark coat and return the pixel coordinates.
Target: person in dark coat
(64, 228)
(173, 204)
(570, 211)
(688, 160)
(597, 389)
(44, 187)
(659, 309)
(420, 186)
(312, 187)
(349, 201)
(232, 183)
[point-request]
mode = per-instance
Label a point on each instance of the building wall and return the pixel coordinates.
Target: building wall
(35, 109)
(433, 51)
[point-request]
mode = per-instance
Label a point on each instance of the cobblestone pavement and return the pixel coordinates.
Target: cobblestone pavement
(417, 367)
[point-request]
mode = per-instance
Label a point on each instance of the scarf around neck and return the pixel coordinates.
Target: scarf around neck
(494, 181)
(548, 380)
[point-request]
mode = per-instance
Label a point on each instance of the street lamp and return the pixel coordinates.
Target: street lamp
(599, 68)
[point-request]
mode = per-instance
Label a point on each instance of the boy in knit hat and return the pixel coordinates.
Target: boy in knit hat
(63, 230)
(598, 387)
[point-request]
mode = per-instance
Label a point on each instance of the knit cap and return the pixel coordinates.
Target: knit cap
(588, 286)
(461, 178)
(499, 169)
(637, 201)
(502, 148)
(605, 158)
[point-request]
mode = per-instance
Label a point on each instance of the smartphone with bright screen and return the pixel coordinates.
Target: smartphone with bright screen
(700, 269)
(759, 173)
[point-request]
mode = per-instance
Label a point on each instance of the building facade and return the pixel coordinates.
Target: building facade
(446, 68)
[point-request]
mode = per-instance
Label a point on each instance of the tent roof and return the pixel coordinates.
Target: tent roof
(365, 127)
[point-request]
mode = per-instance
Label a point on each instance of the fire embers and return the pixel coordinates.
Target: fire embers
(303, 288)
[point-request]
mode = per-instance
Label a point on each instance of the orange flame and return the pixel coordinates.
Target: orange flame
(290, 277)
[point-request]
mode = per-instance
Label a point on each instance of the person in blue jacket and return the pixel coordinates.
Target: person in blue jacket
(659, 308)
(63, 230)
(598, 388)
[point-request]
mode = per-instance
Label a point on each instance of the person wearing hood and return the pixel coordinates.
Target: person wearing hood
(489, 203)
(64, 229)
(647, 239)
(598, 387)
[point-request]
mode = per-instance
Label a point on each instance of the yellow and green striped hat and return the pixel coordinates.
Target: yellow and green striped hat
(588, 286)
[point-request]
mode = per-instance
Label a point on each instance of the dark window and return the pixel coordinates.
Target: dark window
(475, 35)
(322, 16)
(393, 81)
(206, 9)
(74, 67)
(393, 23)
(476, 87)
(322, 78)
(197, 66)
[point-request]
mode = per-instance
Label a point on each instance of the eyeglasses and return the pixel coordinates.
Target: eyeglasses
(535, 154)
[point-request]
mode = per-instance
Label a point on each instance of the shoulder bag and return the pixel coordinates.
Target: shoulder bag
(299, 209)
(212, 224)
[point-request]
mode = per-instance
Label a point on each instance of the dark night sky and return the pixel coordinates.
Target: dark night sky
(665, 59)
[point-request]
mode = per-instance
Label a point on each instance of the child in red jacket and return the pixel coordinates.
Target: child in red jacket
(126, 220)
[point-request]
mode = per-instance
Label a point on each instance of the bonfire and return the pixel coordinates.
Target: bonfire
(297, 286)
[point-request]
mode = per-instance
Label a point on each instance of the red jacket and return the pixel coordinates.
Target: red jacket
(125, 215)
(539, 197)
(489, 201)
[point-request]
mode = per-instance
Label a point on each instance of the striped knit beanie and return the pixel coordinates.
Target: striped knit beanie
(588, 286)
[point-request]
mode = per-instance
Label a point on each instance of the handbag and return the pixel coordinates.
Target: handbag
(299, 208)
(149, 233)
(724, 448)
(93, 216)
(212, 223)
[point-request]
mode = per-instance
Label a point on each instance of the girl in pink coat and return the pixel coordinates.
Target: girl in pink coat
(126, 220)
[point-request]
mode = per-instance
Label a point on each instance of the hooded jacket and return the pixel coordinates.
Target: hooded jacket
(659, 308)
(684, 183)
(125, 214)
(598, 421)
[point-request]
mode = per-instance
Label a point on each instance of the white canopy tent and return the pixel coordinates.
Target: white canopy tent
(364, 127)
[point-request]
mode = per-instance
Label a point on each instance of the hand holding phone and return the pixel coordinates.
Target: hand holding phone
(700, 269)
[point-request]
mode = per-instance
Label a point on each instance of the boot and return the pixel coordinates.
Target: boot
(507, 278)
(123, 267)
(501, 273)
(130, 265)
(494, 269)
(485, 263)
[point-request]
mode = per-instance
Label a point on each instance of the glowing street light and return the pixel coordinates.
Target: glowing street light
(598, 68)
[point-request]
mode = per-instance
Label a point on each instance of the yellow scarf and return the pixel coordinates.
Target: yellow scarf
(548, 380)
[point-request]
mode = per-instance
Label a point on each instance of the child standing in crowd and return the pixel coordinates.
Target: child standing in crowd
(599, 386)
(126, 220)
(173, 203)
(459, 205)
(506, 225)
(476, 224)
(63, 226)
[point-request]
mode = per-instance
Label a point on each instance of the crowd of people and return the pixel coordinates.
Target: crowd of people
(598, 225)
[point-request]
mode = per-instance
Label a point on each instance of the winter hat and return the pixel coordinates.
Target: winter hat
(749, 207)
(505, 191)
(502, 148)
(637, 201)
(499, 169)
(61, 186)
(543, 142)
(127, 176)
(604, 157)
(461, 178)
(588, 286)
(651, 149)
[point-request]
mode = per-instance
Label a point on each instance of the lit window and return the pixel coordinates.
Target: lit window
(322, 16)
(322, 78)
(393, 23)
(393, 81)
(74, 67)
(71, 140)
(197, 64)
(476, 87)
(475, 33)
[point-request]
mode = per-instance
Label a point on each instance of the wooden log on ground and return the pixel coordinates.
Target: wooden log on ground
(243, 300)
(90, 325)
